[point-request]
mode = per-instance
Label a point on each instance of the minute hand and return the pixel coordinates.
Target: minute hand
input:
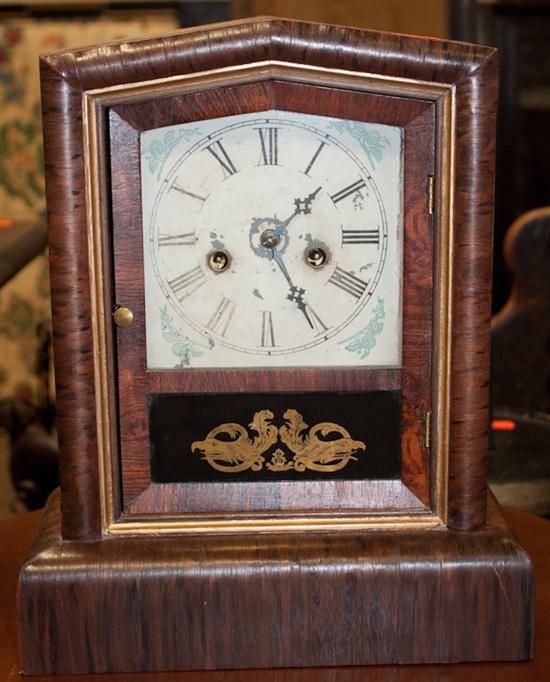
(295, 292)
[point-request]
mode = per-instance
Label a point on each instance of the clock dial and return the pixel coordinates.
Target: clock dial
(272, 239)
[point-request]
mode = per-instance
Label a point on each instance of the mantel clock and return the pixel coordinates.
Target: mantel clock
(270, 256)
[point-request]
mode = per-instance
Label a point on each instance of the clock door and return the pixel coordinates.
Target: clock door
(274, 242)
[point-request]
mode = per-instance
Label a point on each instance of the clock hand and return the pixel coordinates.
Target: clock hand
(272, 230)
(296, 293)
(276, 256)
(304, 205)
(301, 206)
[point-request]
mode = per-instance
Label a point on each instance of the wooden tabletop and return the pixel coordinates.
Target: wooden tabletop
(16, 535)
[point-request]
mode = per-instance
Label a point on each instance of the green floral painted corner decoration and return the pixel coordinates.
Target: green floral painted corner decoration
(371, 141)
(182, 346)
(365, 340)
(159, 149)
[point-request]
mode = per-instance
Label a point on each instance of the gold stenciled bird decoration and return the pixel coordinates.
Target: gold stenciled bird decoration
(230, 448)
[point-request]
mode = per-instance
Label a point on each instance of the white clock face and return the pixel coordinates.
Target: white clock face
(272, 240)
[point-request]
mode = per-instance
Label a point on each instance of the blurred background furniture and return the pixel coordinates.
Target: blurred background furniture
(520, 374)
(520, 29)
(27, 439)
(519, 461)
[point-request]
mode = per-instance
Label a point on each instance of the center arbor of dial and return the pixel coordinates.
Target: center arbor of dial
(266, 234)
(269, 239)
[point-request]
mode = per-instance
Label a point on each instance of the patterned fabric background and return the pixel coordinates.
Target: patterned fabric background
(24, 300)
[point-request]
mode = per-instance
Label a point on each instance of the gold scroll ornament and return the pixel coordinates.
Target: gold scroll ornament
(230, 448)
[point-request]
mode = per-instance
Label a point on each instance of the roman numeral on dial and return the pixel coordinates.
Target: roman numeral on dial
(218, 152)
(361, 236)
(219, 322)
(348, 282)
(348, 191)
(269, 146)
(181, 190)
(314, 157)
(185, 239)
(318, 325)
(186, 284)
(268, 335)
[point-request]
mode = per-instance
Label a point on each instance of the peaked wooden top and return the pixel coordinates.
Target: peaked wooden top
(263, 39)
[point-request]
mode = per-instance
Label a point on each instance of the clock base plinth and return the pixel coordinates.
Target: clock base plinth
(176, 603)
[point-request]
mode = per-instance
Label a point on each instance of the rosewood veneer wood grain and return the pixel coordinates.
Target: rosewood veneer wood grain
(16, 535)
(471, 70)
(253, 601)
(136, 383)
(129, 574)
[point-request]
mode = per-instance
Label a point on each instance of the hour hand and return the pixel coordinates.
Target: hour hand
(304, 205)
(301, 206)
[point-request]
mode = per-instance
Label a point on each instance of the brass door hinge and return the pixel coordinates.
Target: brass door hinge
(431, 194)
(428, 430)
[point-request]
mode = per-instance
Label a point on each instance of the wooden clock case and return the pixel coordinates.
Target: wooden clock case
(127, 575)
